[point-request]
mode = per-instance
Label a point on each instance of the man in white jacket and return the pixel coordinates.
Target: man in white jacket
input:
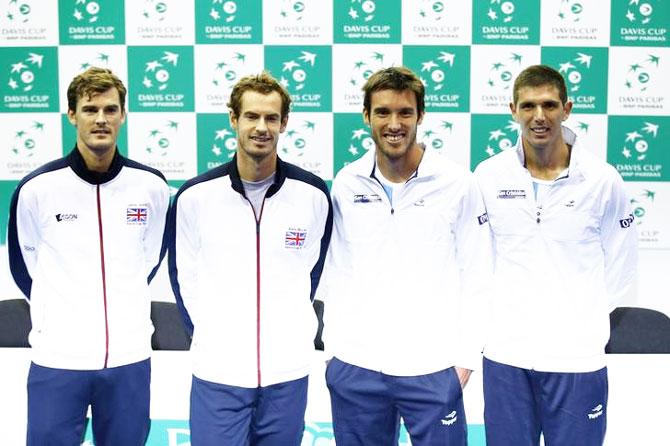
(84, 239)
(247, 242)
(404, 281)
(565, 253)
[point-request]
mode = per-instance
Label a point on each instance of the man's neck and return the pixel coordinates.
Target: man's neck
(255, 169)
(398, 170)
(97, 163)
(547, 163)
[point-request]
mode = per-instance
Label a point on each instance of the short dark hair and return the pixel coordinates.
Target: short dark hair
(262, 83)
(94, 81)
(538, 75)
(398, 79)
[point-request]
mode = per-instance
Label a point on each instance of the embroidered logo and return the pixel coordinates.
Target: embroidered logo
(295, 238)
(506, 194)
(136, 215)
(449, 419)
(483, 218)
(626, 222)
(367, 198)
(65, 217)
(595, 412)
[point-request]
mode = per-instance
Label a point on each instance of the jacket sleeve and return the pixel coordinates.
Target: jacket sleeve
(619, 243)
(183, 244)
(154, 249)
(316, 272)
(23, 238)
(474, 255)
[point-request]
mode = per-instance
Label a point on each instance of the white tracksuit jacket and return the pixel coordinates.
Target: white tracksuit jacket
(561, 263)
(244, 282)
(82, 247)
(404, 284)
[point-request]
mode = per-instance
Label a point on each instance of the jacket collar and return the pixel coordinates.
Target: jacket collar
(367, 164)
(78, 165)
(236, 181)
(570, 138)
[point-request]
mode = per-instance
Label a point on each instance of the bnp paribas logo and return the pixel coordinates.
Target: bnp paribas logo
(636, 147)
(367, 21)
(444, 73)
(228, 20)
(570, 11)
(161, 78)
(91, 22)
(490, 135)
(640, 22)
(29, 79)
(585, 72)
(305, 72)
(217, 141)
(506, 21)
(642, 74)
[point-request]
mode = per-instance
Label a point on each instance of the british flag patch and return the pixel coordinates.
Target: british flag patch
(136, 215)
(295, 238)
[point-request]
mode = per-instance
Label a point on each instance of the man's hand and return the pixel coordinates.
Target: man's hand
(463, 376)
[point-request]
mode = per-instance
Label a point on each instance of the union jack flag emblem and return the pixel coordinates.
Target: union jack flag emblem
(136, 215)
(295, 238)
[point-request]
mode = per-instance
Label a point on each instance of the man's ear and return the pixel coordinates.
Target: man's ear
(232, 119)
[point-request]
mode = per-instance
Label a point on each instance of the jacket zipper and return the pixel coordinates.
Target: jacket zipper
(258, 288)
(104, 279)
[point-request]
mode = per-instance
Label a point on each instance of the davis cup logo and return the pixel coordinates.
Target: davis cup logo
(86, 11)
(159, 140)
(100, 60)
(502, 138)
(224, 145)
(226, 72)
(431, 10)
(22, 73)
(360, 142)
(293, 10)
(295, 141)
(571, 72)
(363, 69)
(501, 74)
(636, 144)
(158, 71)
(24, 143)
(434, 139)
(294, 74)
(155, 11)
(18, 12)
(224, 10)
(433, 74)
(639, 13)
(639, 74)
(640, 204)
(570, 11)
(501, 11)
(362, 10)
